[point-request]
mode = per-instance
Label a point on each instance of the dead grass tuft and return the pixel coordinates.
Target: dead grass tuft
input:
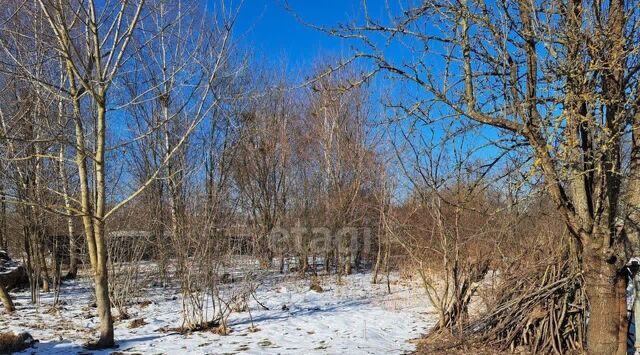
(137, 323)
(315, 286)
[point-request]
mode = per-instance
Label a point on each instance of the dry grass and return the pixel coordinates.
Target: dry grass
(137, 323)
(444, 345)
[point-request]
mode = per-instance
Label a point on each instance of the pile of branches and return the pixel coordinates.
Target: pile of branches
(541, 311)
(532, 301)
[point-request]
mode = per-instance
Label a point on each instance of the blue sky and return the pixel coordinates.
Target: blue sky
(271, 31)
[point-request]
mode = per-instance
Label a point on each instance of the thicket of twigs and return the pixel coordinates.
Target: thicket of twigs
(539, 307)
(521, 292)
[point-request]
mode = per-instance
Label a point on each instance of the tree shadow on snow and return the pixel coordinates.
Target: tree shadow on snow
(277, 315)
(68, 347)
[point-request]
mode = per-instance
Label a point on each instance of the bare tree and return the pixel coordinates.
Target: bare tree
(263, 156)
(94, 42)
(562, 77)
(345, 152)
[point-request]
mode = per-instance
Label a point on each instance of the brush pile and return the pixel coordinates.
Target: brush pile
(540, 311)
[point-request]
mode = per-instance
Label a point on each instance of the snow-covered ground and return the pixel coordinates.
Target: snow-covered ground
(352, 317)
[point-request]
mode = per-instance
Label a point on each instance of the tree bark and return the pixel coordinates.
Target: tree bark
(64, 181)
(92, 220)
(72, 273)
(623, 314)
(42, 260)
(102, 291)
(102, 283)
(6, 300)
(602, 280)
(3, 218)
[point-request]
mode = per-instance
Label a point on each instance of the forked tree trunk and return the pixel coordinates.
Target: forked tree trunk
(602, 281)
(92, 219)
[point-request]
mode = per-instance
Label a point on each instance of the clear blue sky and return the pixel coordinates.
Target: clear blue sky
(275, 33)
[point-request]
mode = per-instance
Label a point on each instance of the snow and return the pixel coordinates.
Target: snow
(351, 316)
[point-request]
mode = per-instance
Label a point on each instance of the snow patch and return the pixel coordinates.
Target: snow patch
(353, 316)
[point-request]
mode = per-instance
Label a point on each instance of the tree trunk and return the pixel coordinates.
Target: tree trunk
(6, 300)
(72, 273)
(64, 181)
(92, 220)
(102, 292)
(3, 219)
(623, 314)
(303, 264)
(327, 262)
(44, 269)
(347, 262)
(605, 321)
(101, 277)
(376, 268)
